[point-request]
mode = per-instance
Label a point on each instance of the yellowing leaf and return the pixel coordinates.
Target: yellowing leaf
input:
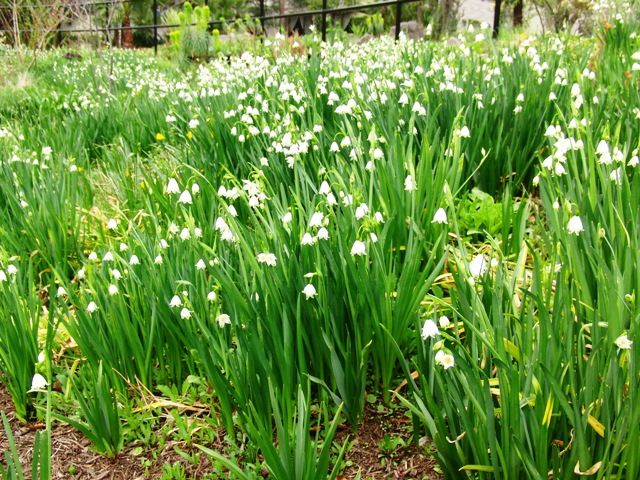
(478, 468)
(511, 349)
(548, 412)
(596, 425)
(590, 471)
(414, 375)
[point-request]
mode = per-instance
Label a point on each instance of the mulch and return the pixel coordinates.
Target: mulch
(73, 458)
(368, 455)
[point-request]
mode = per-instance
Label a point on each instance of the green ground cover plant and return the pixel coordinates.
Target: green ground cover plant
(451, 228)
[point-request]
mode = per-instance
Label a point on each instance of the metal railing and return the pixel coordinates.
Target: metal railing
(324, 12)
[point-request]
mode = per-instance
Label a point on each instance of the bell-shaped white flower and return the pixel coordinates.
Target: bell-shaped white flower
(38, 383)
(358, 248)
(309, 291)
(575, 227)
(440, 217)
(172, 186)
(223, 319)
(478, 266)
(175, 302)
(185, 198)
(429, 330)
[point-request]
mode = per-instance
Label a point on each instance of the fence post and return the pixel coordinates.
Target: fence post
(398, 18)
(59, 28)
(262, 13)
(496, 18)
(106, 22)
(155, 27)
(324, 20)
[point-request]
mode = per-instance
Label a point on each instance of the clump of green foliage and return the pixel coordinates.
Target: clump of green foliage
(479, 212)
(192, 41)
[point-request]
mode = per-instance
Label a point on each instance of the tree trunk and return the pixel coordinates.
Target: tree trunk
(281, 8)
(127, 33)
(518, 11)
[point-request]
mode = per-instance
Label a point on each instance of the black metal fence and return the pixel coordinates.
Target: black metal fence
(323, 13)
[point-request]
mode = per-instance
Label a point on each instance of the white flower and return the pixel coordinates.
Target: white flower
(201, 265)
(267, 258)
(575, 227)
(464, 132)
(134, 260)
(158, 260)
(347, 200)
(113, 289)
(323, 234)
(175, 301)
(409, 184)
(220, 224)
(324, 188)
(108, 257)
(440, 216)
(361, 211)
(61, 292)
(112, 224)
(373, 237)
(193, 123)
(38, 383)
(478, 266)
(286, 218)
(404, 99)
(223, 319)
(12, 270)
(309, 291)
(3, 276)
(316, 219)
(358, 248)
(429, 330)
(185, 313)
(444, 321)
(195, 188)
(616, 176)
(228, 236)
(115, 273)
(172, 186)
(307, 239)
(185, 198)
(80, 273)
(232, 211)
(378, 217)
(623, 342)
(185, 234)
(124, 247)
(211, 296)
(444, 359)
(92, 307)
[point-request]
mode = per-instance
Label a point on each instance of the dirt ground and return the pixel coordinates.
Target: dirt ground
(372, 452)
